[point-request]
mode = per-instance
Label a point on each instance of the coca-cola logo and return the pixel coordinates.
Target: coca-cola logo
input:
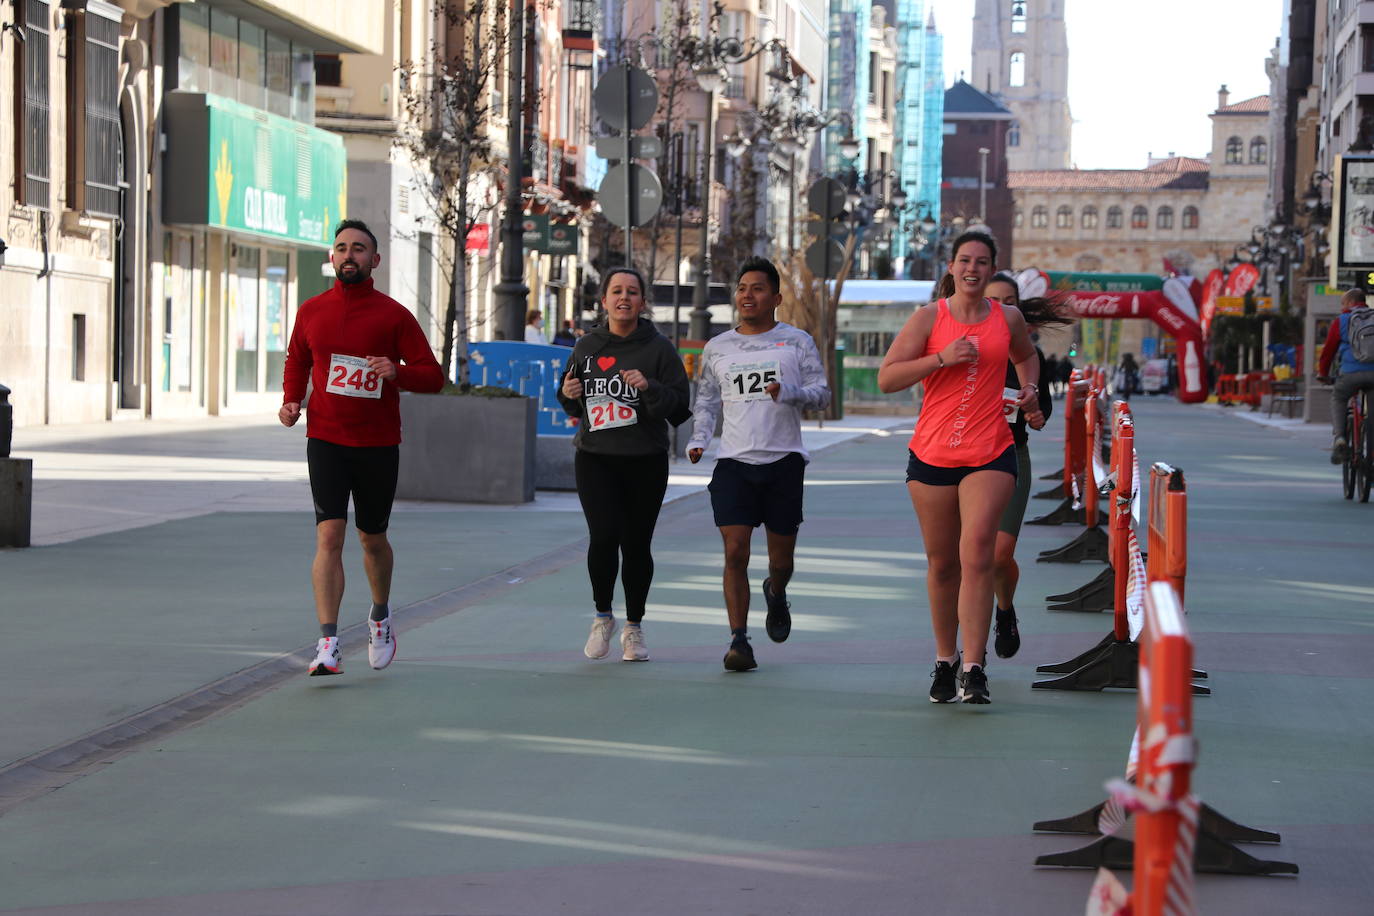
(1096, 306)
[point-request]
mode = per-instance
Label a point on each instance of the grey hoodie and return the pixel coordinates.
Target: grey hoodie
(618, 419)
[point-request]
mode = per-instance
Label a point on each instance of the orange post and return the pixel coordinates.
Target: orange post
(1166, 830)
(1119, 529)
(1167, 537)
(1073, 434)
(1091, 428)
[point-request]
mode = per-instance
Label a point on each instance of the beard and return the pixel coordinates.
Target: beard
(357, 275)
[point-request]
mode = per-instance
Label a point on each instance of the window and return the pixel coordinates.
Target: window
(1190, 217)
(224, 53)
(1040, 217)
(1259, 151)
(1017, 70)
(873, 78)
(1014, 134)
(94, 135)
(1018, 218)
(278, 75)
(1063, 217)
(252, 65)
(1164, 218)
(1234, 150)
(328, 70)
(1089, 219)
(1018, 17)
(193, 47)
(31, 64)
(1114, 217)
(1140, 218)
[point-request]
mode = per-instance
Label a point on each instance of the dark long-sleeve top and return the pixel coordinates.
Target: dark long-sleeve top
(1018, 428)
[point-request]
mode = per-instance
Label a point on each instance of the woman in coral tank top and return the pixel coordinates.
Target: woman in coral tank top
(962, 466)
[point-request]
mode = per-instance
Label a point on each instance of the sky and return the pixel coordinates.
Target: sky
(1154, 94)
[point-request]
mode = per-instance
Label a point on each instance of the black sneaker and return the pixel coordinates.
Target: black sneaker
(741, 655)
(975, 682)
(779, 621)
(1008, 641)
(942, 687)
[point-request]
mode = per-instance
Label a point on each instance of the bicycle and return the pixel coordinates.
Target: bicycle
(1357, 471)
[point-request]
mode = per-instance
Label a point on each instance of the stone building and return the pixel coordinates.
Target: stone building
(1192, 212)
(1021, 55)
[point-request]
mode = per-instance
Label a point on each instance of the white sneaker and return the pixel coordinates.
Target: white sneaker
(599, 642)
(381, 643)
(632, 641)
(327, 657)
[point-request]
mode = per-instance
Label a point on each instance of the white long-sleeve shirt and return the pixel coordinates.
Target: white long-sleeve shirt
(736, 368)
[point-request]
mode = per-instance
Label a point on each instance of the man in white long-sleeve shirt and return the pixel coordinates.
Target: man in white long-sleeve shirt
(763, 374)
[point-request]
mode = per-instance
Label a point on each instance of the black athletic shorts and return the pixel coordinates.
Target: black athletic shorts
(759, 494)
(935, 476)
(366, 472)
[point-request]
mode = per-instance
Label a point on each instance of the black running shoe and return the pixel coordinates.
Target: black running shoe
(1008, 641)
(942, 687)
(779, 621)
(741, 655)
(975, 682)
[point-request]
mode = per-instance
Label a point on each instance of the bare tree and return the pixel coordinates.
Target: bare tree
(812, 304)
(448, 100)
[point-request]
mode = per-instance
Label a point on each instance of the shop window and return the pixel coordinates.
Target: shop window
(1040, 217)
(1190, 217)
(1164, 218)
(1259, 151)
(1063, 217)
(94, 135)
(1235, 150)
(1089, 218)
(1114, 217)
(31, 139)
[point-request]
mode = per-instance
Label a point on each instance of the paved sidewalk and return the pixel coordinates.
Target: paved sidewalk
(492, 769)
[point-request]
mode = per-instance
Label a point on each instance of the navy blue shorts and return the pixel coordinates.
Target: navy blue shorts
(759, 494)
(934, 476)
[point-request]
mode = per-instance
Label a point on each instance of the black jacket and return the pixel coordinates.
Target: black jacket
(598, 359)
(1018, 428)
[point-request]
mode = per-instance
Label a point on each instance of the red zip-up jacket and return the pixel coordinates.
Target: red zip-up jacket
(348, 404)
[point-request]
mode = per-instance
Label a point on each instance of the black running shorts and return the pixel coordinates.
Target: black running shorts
(368, 473)
(936, 476)
(759, 494)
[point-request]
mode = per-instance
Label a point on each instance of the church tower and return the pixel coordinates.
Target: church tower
(1021, 55)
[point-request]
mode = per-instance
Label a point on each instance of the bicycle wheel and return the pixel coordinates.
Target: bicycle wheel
(1364, 471)
(1351, 456)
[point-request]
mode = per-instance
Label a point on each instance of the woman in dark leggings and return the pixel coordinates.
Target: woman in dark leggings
(625, 382)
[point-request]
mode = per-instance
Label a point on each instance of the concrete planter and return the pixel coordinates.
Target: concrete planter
(466, 448)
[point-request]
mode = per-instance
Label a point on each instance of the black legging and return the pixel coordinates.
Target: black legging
(621, 496)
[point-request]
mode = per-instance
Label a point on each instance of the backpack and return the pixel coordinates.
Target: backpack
(1359, 334)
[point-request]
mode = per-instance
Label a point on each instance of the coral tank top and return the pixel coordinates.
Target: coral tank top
(961, 422)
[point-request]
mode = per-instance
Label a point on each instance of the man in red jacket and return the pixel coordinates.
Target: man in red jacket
(358, 349)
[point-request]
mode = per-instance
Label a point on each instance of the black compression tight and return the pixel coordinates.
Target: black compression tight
(621, 497)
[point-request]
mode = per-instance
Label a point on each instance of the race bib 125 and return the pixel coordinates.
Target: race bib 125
(351, 377)
(749, 381)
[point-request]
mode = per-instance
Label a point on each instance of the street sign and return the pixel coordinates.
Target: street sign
(562, 238)
(825, 197)
(825, 257)
(534, 231)
(648, 147)
(648, 196)
(626, 97)
(1235, 305)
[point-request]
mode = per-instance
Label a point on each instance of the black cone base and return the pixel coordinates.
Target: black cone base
(1064, 514)
(1054, 492)
(1212, 855)
(1088, 547)
(1097, 595)
(1057, 475)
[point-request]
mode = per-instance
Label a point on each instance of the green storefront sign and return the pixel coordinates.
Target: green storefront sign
(1104, 283)
(238, 168)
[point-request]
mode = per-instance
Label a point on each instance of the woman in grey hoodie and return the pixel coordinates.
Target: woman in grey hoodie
(626, 383)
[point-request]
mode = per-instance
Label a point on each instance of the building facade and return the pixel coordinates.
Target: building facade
(1021, 56)
(974, 190)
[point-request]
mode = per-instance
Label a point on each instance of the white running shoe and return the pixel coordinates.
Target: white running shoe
(599, 642)
(327, 657)
(632, 641)
(381, 642)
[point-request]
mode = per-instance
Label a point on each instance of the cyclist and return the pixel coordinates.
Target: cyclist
(1348, 341)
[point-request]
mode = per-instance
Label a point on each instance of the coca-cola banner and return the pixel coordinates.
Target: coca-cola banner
(1356, 212)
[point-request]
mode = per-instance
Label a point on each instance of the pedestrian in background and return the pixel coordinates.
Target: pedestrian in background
(761, 375)
(625, 383)
(534, 327)
(961, 468)
(1039, 313)
(359, 349)
(565, 336)
(1049, 374)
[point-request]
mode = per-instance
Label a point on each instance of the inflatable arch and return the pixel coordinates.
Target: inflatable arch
(1173, 307)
